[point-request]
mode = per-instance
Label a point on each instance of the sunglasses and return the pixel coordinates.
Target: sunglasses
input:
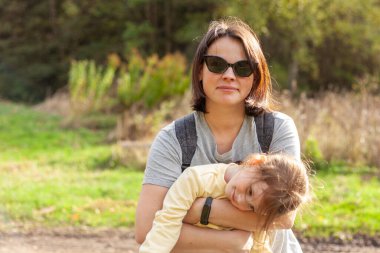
(218, 65)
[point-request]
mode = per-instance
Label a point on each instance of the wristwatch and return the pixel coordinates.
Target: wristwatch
(206, 211)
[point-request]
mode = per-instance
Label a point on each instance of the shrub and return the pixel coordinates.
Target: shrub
(89, 85)
(313, 153)
(153, 80)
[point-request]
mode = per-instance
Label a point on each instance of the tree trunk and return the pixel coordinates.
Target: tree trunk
(53, 16)
(168, 32)
(293, 76)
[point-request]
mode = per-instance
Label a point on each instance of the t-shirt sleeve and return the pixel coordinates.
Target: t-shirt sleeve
(164, 160)
(285, 136)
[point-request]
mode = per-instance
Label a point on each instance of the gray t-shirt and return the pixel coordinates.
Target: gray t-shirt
(165, 157)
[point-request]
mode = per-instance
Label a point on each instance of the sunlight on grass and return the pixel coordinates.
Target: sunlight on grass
(344, 203)
(58, 176)
(59, 196)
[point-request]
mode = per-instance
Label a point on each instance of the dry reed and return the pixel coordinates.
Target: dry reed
(346, 126)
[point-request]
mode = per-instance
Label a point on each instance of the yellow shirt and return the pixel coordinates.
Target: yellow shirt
(198, 181)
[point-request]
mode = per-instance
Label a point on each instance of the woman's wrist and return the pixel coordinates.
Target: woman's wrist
(206, 211)
(193, 215)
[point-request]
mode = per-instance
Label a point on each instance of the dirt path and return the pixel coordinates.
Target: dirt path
(121, 241)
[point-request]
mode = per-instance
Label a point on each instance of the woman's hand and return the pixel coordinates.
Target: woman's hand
(194, 214)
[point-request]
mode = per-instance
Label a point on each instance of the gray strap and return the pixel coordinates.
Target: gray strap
(187, 137)
(264, 129)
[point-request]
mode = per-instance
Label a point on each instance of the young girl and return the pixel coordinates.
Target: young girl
(270, 185)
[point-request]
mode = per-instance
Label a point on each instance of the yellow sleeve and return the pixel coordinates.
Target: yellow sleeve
(167, 223)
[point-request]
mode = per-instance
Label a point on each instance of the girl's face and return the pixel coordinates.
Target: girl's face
(245, 191)
(226, 88)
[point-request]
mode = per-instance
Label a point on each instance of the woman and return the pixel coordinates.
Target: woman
(231, 84)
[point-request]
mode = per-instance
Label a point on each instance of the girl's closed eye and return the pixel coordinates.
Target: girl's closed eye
(250, 192)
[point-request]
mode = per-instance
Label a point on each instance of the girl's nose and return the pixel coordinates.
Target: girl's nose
(240, 198)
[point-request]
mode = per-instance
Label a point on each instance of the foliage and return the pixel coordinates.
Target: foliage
(319, 44)
(152, 80)
(139, 82)
(162, 27)
(313, 153)
(89, 85)
(39, 38)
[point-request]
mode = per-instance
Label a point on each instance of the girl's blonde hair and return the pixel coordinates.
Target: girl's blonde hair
(288, 184)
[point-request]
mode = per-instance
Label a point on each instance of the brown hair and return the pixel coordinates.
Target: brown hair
(259, 97)
(288, 185)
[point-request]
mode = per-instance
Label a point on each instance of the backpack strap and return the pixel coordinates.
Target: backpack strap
(264, 129)
(186, 134)
(187, 137)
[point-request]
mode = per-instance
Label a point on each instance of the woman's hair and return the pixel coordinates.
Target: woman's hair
(288, 185)
(259, 97)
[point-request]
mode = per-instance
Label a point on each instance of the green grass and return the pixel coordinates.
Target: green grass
(346, 202)
(54, 176)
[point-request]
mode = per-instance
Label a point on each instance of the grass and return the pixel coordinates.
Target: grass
(345, 203)
(54, 176)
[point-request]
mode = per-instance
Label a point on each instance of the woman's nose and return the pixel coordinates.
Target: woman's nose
(229, 73)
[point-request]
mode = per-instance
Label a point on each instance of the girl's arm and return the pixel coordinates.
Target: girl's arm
(192, 238)
(223, 213)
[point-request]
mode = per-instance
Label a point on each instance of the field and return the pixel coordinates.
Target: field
(53, 176)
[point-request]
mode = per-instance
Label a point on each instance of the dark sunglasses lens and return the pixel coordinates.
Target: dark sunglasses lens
(216, 64)
(243, 68)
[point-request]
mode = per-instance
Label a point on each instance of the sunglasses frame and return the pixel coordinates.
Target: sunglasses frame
(232, 65)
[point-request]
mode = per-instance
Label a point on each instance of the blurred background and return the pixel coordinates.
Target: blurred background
(85, 86)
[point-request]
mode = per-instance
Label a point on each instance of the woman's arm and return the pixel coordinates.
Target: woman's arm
(223, 213)
(212, 241)
(192, 238)
(150, 201)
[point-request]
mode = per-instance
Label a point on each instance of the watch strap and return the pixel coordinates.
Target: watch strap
(206, 211)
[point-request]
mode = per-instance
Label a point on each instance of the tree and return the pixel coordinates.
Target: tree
(38, 39)
(315, 45)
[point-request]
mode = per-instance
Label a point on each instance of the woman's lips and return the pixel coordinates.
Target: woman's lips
(227, 88)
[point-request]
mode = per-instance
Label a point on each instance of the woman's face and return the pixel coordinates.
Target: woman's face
(226, 88)
(245, 191)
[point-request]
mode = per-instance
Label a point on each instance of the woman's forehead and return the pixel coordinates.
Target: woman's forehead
(227, 47)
